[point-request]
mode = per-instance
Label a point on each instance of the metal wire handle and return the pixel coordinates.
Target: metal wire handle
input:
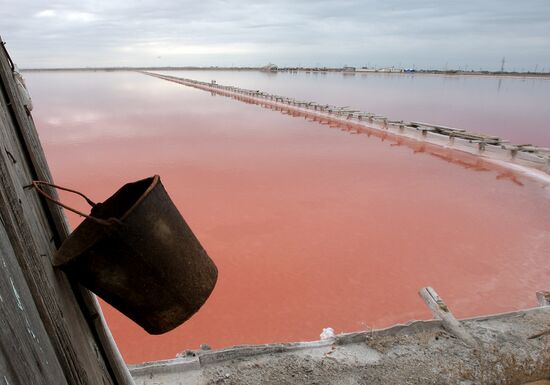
(37, 183)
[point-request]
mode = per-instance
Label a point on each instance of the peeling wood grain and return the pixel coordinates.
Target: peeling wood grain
(82, 347)
(543, 298)
(26, 353)
(440, 311)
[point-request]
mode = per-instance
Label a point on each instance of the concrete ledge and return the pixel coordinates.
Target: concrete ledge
(177, 365)
(420, 352)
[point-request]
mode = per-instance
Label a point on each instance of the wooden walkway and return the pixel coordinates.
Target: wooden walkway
(489, 147)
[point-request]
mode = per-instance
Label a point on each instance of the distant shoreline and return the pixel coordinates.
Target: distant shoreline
(522, 75)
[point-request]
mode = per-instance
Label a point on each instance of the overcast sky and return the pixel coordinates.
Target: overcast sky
(406, 33)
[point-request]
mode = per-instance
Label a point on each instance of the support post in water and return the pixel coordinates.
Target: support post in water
(543, 298)
(441, 311)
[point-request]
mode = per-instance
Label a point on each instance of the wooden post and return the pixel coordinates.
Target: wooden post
(441, 311)
(52, 335)
(543, 298)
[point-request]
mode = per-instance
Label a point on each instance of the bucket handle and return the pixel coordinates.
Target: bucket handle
(106, 222)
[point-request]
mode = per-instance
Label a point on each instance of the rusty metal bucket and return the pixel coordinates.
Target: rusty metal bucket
(137, 253)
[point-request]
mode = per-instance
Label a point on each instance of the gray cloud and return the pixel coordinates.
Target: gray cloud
(425, 33)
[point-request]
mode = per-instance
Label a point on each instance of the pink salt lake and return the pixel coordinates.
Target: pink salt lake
(309, 225)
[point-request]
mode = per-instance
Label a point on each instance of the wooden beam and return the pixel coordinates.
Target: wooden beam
(441, 311)
(26, 353)
(35, 230)
(543, 298)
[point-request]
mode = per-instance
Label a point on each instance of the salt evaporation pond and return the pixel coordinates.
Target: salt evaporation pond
(309, 225)
(513, 108)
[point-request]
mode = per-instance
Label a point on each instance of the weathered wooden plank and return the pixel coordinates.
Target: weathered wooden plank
(438, 126)
(543, 298)
(26, 354)
(441, 311)
(118, 366)
(56, 304)
(36, 230)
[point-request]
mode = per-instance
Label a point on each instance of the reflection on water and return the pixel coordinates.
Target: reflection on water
(459, 158)
(310, 226)
(512, 108)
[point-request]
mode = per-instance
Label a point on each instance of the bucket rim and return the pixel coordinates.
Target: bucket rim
(62, 256)
(154, 183)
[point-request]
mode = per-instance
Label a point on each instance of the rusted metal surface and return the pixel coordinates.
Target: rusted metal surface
(141, 257)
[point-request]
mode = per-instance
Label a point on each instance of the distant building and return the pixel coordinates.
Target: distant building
(348, 69)
(365, 69)
(390, 69)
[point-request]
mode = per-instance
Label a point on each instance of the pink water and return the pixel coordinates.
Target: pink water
(309, 225)
(515, 109)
